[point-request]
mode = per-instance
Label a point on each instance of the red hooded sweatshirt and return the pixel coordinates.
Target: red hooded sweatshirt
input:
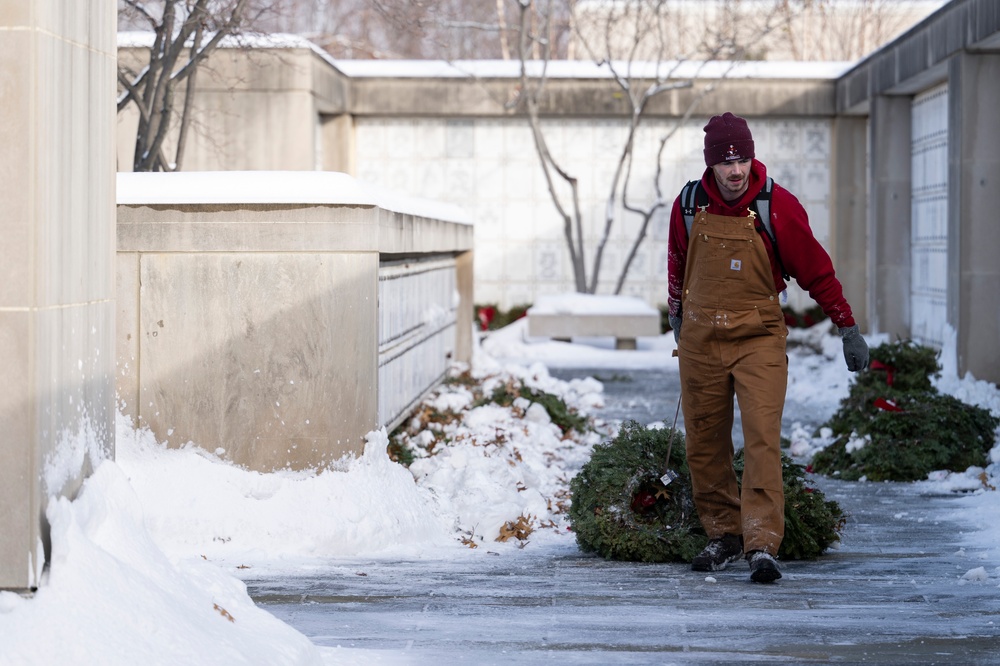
(802, 255)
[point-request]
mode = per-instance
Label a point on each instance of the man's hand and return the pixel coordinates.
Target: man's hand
(675, 323)
(855, 348)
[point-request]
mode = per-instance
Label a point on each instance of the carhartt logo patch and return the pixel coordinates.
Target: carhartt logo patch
(735, 265)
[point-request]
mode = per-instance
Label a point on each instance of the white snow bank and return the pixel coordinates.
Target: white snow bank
(112, 597)
(197, 505)
(502, 465)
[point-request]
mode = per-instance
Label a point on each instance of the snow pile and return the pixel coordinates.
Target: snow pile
(804, 444)
(200, 506)
(113, 597)
(982, 394)
(504, 470)
(817, 373)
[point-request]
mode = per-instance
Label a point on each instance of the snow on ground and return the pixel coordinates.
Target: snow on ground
(140, 560)
(113, 597)
(503, 466)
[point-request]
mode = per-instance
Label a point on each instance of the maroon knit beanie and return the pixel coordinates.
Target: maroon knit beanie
(727, 138)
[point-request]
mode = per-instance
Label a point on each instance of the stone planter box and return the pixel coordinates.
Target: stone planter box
(568, 316)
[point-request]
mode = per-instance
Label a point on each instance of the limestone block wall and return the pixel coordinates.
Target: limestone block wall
(249, 309)
(425, 130)
(489, 167)
(57, 81)
(931, 233)
(256, 108)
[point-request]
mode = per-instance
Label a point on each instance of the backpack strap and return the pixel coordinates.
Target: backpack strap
(693, 196)
(762, 206)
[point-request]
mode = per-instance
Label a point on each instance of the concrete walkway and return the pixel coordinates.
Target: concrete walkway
(891, 594)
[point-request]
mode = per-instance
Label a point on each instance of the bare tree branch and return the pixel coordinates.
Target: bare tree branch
(531, 89)
(181, 27)
(188, 98)
(502, 23)
(648, 25)
(140, 10)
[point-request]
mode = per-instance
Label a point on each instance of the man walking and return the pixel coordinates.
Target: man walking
(727, 267)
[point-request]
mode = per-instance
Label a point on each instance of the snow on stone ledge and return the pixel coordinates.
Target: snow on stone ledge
(587, 69)
(590, 304)
(273, 187)
(511, 69)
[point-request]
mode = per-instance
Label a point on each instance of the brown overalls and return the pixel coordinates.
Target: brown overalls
(732, 341)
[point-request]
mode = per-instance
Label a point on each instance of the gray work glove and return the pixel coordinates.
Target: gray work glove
(855, 348)
(675, 323)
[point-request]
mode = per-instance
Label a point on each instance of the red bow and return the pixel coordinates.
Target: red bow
(485, 316)
(887, 405)
(889, 370)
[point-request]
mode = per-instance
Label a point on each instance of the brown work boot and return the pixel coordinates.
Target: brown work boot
(719, 553)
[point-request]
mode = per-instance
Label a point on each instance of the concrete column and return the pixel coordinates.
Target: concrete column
(974, 199)
(57, 241)
(849, 211)
(337, 143)
(889, 222)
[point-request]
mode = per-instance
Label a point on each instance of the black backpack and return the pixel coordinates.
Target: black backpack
(693, 196)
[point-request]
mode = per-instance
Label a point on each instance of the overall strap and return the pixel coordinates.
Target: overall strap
(693, 196)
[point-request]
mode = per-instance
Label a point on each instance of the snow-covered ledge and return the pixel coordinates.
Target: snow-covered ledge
(249, 312)
(573, 315)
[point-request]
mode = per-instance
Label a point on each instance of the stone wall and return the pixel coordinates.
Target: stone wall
(57, 190)
(249, 309)
(441, 131)
(490, 168)
(256, 109)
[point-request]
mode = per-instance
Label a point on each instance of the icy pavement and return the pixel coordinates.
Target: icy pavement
(650, 396)
(893, 593)
(906, 586)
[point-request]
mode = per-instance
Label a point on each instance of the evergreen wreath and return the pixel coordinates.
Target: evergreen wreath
(621, 511)
(895, 426)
